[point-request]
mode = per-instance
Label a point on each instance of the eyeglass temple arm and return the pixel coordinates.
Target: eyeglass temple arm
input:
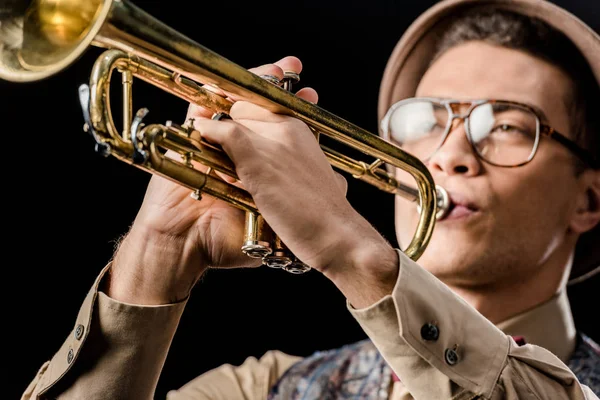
(583, 154)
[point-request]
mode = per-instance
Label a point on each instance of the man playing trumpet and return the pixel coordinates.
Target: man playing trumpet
(498, 98)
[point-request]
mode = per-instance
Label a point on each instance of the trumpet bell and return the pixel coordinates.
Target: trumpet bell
(39, 38)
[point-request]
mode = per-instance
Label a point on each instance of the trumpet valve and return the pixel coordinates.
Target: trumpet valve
(257, 237)
(290, 78)
(256, 249)
(297, 267)
(279, 259)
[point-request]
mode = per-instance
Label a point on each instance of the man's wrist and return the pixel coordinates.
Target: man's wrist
(368, 272)
(149, 269)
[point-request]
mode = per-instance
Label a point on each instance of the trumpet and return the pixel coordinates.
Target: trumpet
(39, 38)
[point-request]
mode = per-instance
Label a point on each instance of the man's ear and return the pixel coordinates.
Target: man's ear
(587, 211)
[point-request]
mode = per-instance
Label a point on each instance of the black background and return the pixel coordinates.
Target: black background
(65, 206)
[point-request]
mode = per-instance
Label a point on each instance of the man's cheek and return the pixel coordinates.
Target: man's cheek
(406, 219)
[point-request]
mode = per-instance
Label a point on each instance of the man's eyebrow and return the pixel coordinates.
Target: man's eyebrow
(539, 112)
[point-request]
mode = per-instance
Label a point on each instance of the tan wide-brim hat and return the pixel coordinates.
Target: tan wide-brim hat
(415, 49)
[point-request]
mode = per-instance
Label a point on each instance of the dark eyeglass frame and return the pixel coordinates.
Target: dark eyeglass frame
(542, 128)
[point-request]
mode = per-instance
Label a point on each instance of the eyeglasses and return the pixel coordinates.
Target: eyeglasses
(502, 133)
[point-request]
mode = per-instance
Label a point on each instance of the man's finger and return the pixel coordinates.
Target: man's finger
(342, 183)
(272, 70)
(228, 179)
(290, 64)
(308, 94)
(244, 110)
(266, 71)
(173, 155)
(234, 138)
(196, 111)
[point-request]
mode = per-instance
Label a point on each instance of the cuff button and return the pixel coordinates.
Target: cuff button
(451, 356)
(430, 331)
(79, 332)
(70, 356)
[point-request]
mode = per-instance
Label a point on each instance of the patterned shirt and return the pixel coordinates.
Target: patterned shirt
(358, 371)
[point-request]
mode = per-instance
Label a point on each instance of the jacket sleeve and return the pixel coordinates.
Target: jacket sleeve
(442, 348)
(115, 351)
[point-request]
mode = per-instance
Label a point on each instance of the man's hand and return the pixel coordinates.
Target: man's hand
(175, 238)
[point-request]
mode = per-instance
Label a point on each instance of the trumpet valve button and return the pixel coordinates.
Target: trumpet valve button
(291, 76)
(219, 116)
(272, 79)
(256, 249)
(277, 261)
(297, 267)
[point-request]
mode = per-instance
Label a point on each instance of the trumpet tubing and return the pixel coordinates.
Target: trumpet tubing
(39, 38)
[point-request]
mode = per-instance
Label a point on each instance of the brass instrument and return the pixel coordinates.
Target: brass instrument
(39, 38)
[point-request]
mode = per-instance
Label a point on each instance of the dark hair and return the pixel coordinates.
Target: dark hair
(534, 36)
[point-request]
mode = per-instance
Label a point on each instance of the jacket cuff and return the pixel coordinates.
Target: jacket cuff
(432, 337)
(113, 344)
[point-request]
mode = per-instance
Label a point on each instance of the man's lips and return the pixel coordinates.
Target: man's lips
(460, 207)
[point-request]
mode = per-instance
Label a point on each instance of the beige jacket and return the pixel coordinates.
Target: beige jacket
(117, 351)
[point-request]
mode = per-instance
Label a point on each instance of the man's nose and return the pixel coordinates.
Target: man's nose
(456, 156)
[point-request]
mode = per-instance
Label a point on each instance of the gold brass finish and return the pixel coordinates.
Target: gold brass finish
(256, 245)
(39, 38)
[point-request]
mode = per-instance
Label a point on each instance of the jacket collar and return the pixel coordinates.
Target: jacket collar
(549, 325)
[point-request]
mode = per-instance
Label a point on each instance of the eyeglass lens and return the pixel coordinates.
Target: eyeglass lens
(501, 133)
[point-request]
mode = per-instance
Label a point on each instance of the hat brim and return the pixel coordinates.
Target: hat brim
(415, 49)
